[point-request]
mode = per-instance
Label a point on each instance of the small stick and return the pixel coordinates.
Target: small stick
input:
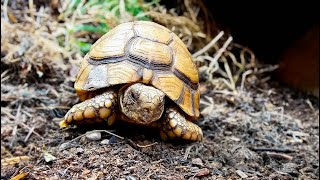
(220, 51)
(244, 75)
(187, 152)
(274, 150)
(31, 9)
(5, 10)
(132, 144)
(310, 105)
(148, 145)
(279, 156)
(93, 132)
(156, 162)
(208, 46)
(52, 107)
(30, 132)
(20, 123)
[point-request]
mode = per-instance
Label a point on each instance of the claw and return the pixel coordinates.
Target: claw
(175, 125)
(96, 109)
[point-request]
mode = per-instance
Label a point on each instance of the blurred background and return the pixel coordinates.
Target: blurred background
(286, 34)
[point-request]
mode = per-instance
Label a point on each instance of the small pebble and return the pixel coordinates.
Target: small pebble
(130, 178)
(104, 142)
(113, 140)
(66, 145)
(202, 172)
(197, 161)
(217, 171)
(95, 136)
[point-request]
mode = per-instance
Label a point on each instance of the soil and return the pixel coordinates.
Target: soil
(264, 131)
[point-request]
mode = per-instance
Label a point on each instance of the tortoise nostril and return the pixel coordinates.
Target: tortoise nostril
(147, 109)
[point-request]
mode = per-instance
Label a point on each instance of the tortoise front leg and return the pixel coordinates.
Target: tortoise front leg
(97, 109)
(175, 125)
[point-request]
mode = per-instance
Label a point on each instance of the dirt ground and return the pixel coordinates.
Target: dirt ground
(260, 130)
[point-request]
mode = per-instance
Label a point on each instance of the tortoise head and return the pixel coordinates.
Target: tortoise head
(141, 103)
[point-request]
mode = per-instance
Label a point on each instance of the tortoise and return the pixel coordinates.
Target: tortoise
(139, 72)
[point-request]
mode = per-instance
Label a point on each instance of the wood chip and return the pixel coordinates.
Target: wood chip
(279, 156)
(241, 174)
(202, 172)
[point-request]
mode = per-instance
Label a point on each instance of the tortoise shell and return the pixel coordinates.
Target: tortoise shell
(141, 51)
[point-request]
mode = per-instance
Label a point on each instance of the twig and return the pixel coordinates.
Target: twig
(279, 156)
(93, 131)
(148, 145)
(243, 79)
(268, 69)
(274, 113)
(182, 167)
(4, 77)
(213, 62)
(283, 150)
(157, 162)
(132, 144)
(224, 92)
(231, 85)
(52, 107)
(208, 46)
(20, 123)
(219, 53)
(189, 9)
(30, 132)
(5, 10)
(185, 157)
(31, 9)
(208, 147)
(174, 20)
(310, 105)
(17, 118)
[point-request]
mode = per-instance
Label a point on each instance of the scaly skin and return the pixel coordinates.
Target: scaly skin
(142, 104)
(174, 126)
(139, 104)
(98, 109)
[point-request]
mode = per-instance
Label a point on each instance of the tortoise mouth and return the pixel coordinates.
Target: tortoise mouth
(142, 104)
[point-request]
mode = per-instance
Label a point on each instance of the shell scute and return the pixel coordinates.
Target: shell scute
(146, 52)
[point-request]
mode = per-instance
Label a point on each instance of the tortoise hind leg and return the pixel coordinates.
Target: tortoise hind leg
(97, 109)
(175, 125)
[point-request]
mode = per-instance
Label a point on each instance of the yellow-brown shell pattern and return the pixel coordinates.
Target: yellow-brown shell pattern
(142, 51)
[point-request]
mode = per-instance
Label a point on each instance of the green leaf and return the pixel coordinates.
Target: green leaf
(84, 46)
(73, 4)
(90, 28)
